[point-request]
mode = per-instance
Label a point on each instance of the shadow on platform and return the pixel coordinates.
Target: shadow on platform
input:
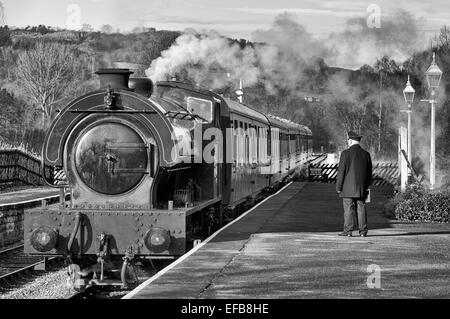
(312, 208)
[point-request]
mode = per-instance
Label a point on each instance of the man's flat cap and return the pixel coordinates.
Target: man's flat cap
(354, 136)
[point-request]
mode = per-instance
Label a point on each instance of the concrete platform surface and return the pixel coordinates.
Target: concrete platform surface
(288, 247)
(27, 195)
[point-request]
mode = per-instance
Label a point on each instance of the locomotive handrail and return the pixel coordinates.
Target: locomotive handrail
(176, 168)
(186, 115)
(174, 114)
(113, 111)
(131, 170)
(78, 218)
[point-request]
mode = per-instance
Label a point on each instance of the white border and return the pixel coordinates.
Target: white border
(193, 250)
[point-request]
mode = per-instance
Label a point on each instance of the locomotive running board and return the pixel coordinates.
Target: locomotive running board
(203, 205)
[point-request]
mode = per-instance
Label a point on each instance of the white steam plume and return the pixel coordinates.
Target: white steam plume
(208, 59)
(280, 55)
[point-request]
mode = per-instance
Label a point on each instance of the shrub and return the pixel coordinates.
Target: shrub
(419, 204)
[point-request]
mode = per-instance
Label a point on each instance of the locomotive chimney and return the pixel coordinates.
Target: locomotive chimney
(114, 78)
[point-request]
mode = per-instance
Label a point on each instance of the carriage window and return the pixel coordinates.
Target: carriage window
(202, 108)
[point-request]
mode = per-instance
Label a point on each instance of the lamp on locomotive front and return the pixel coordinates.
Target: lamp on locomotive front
(157, 239)
(44, 239)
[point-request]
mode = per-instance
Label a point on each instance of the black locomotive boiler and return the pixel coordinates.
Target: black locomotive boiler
(140, 186)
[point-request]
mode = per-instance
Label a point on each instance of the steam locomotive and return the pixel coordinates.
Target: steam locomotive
(145, 175)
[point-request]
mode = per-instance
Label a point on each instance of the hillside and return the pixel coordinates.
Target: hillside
(329, 100)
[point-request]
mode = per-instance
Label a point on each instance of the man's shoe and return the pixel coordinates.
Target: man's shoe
(363, 234)
(345, 234)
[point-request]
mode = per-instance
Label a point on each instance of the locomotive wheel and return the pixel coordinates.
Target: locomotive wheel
(128, 275)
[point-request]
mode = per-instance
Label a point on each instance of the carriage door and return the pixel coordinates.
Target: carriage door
(219, 147)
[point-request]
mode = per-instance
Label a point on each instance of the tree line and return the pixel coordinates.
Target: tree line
(42, 69)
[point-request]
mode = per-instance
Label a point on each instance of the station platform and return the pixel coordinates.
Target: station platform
(28, 195)
(13, 204)
(287, 247)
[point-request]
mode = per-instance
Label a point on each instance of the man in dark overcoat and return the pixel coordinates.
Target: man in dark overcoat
(352, 184)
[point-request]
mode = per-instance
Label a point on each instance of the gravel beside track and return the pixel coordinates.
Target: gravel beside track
(50, 285)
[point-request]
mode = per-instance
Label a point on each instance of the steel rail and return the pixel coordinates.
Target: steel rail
(22, 269)
(15, 272)
(10, 249)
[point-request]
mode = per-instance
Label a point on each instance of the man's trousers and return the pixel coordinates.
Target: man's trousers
(355, 213)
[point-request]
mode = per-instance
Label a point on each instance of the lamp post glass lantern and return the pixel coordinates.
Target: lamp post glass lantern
(408, 93)
(434, 75)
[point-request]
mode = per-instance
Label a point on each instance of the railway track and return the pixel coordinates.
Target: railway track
(13, 261)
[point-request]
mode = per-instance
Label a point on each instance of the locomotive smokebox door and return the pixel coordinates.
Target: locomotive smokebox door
(111, 158)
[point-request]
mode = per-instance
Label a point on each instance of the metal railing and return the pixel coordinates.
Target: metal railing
(382, 173)
(18, 168)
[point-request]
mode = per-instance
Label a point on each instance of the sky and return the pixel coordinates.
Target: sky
(237, 19)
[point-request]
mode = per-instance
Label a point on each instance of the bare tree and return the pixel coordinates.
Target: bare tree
(384, 67)
(107, 28)
(83, 33)
(350, 115)
(443, 39)
(46, 73)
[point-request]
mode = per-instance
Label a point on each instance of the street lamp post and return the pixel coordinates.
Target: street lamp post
(434, 75)
(408, 93)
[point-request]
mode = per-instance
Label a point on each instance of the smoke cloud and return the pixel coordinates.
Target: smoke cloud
(288, 49)
(280, 55)
(206, 59)
(398, 37)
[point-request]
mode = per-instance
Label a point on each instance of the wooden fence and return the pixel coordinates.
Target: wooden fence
(18, 168)
(382, 173)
